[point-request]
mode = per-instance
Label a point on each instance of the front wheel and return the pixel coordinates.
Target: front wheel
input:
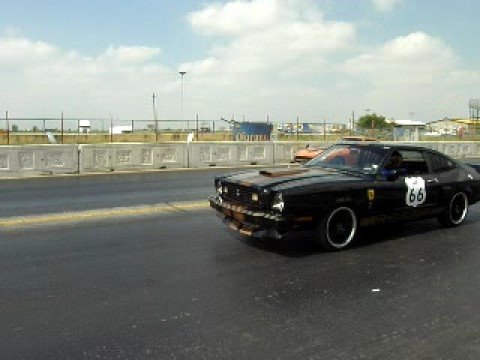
(456, 210)
(338, 228)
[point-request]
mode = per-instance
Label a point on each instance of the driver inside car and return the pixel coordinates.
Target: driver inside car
(394, 165)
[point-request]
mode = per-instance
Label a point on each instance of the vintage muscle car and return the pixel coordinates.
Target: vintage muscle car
(347, 186)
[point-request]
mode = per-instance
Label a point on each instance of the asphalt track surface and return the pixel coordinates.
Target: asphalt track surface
(178, 285)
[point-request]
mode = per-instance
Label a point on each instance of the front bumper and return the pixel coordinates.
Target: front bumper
(251, 222)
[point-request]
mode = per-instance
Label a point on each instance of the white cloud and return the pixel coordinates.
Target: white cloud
(131, 54)
(385, 5)
(412, 59)
(416, 72)
(40, 78)
(464, 77)
(14, 49)
(270, 44)
(235, 17)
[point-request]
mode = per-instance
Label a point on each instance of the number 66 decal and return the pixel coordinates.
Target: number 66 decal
(416, 193)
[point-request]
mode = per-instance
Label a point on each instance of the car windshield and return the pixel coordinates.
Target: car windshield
(365, 159)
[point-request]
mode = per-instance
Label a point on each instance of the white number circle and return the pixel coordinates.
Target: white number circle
(416, 192)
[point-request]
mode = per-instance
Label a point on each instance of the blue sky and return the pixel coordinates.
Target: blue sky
(333, 51)
(91, 26)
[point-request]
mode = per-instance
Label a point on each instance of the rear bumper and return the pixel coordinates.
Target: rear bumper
(250, 222)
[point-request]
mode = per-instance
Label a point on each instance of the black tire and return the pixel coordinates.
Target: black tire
(337, 229)
(456, 210)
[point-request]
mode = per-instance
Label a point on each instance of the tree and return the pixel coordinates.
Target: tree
(14, 128)
(366, 121)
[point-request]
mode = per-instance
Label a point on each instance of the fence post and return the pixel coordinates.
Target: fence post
(297, 127)
(196, 124)
(324, 129)
(62, 126)
(8, 127)
(111, 129)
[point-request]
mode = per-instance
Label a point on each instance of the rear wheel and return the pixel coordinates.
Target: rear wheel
(456, 210)
(338, 228)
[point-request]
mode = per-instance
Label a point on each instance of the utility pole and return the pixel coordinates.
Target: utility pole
(324, 128)
(353, 121)
(8, 127)
(182, 74)
(298, 125)
(196, 125)
(111, 128)
(62, 126)
(155, 116)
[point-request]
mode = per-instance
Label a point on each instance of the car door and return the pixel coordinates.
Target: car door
(412, 193)
(445, 172)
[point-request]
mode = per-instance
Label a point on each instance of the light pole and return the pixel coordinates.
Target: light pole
(155, 116)
(182, 74)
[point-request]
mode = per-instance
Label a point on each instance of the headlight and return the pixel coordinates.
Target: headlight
(278, 204)
(219, 188)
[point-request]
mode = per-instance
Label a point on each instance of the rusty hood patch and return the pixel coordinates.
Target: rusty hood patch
(279, 173)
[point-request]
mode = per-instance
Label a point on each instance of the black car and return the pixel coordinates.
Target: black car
(347, 186)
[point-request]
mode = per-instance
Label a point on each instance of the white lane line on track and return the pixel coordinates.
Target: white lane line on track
(101, 214)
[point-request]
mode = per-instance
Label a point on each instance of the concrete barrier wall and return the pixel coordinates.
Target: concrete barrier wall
(457, 150)
(64, 159)
(38, 159)
(205, 154)
(123, 156)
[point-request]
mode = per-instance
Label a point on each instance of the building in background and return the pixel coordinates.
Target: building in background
(252, 131)
(450, 127)
(84, 126)
(121, 129)
(407, 130)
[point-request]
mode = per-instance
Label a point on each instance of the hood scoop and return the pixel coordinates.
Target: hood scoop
(280, 173)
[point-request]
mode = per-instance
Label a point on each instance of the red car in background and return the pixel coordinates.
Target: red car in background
(307, 154)
(310, 152)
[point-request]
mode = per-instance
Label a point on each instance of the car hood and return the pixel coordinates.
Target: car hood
(274, 177)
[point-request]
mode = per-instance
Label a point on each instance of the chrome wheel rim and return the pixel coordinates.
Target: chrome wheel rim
(458, 208)
(341, 227)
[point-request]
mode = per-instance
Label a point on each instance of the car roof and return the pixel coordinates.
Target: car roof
(357, 138)
(388, 146)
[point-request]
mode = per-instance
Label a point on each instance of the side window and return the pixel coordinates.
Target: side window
(440, 163)
(414, 162)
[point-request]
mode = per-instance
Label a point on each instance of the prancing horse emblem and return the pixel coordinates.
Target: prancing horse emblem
(238, 192)
(371, 194)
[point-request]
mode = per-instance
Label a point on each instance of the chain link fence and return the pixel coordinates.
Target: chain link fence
(19, 131)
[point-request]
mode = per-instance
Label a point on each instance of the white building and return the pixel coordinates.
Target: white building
(84, 126)
(407, 130)
(448, 126)
(121, 129)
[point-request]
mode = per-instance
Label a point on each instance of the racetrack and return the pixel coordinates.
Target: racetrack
(177, 284)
